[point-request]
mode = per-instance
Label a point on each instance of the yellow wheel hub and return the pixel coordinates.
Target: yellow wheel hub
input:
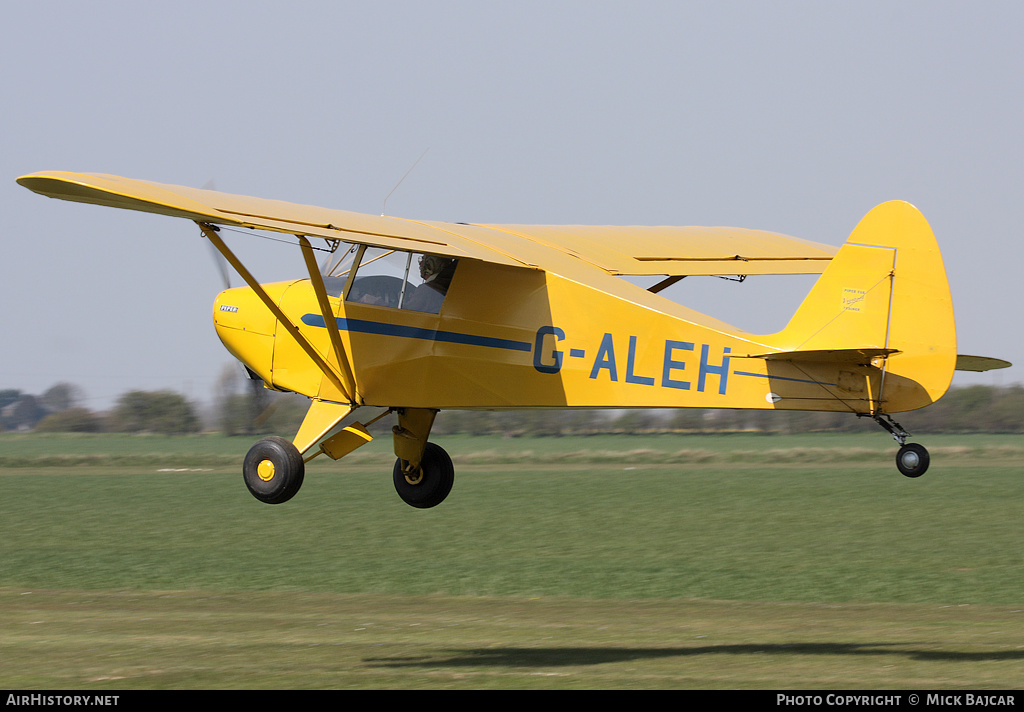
(265, 470)
(414, 477)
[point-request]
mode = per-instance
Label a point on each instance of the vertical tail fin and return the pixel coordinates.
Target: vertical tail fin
(885, 293)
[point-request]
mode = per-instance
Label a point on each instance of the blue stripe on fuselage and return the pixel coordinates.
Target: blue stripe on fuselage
(364, 326)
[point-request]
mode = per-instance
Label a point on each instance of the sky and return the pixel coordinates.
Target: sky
(795, 117)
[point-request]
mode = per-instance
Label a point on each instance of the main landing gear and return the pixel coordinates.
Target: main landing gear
(912, 459)
(423, 474)
(428, 484)
(273, 470)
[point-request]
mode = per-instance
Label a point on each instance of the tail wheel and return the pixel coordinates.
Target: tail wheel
(273, 470)
(912, 460)
(429, 484)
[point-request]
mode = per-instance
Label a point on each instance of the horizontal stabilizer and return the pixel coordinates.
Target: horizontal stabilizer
(979, 363)
(855, 356)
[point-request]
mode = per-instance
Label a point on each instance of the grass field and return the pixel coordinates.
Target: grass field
(727, 561)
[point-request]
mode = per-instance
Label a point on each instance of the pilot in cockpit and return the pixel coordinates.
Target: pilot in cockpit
(436, 273)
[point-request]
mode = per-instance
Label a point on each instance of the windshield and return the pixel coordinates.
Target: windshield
(402, 280)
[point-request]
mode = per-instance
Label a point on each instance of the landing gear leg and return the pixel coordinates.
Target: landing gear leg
(912, 459)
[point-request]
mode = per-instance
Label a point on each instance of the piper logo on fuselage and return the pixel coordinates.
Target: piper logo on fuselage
(676, 357)
(226, 308)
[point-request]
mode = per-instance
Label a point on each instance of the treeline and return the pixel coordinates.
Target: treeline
(241, 408)
(163, 412)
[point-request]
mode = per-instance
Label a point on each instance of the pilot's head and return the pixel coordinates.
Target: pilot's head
(430, 267)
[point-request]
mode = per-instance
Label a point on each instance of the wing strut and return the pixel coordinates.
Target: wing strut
(325, 311)
(329, 371)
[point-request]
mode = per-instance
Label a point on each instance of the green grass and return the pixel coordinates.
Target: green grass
(556, 562)
(76, 450)
(738, 533)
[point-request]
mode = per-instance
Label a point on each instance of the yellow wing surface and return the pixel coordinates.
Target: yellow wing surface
(670, 251)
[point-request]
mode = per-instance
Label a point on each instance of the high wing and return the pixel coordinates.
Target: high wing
(680, 251)
(208, 206)
(669, 251)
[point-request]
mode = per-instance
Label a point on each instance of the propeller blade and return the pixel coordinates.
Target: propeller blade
(218, 258)
(222, 265)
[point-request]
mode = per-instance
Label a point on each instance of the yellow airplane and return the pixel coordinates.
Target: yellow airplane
(412, 317)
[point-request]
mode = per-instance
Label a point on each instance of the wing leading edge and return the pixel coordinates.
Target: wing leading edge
(208, 206)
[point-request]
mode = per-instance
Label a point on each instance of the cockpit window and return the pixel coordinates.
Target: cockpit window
(334, 285)
(380, 276)
(402, 280)
(335, 270)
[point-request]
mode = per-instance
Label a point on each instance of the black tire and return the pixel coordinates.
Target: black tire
(912, 460)
(433, 480)
(273, 470)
